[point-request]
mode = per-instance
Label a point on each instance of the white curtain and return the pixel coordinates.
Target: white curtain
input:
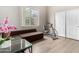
(67, 23)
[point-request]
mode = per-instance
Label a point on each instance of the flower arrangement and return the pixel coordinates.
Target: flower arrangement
(6, 29)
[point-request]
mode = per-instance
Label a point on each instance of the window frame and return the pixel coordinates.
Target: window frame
(22, 16)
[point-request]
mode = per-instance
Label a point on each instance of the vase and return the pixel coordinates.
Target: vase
(6, 44)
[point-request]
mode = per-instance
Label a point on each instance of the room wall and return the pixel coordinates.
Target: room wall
(14, 15)
(11, 13)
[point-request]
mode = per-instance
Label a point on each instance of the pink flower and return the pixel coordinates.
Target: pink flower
(6, 20)
(5, 27)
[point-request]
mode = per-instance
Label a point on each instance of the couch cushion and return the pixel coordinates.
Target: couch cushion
(33, 36)
(30, 34)
(17, 32)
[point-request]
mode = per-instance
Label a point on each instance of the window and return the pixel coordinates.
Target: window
(30, 16)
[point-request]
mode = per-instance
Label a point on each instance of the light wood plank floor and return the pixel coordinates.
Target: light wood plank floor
(61, 45)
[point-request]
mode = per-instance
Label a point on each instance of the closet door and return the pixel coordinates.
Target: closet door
(60, 23)
(72, 24)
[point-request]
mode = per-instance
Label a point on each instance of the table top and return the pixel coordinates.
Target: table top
(14, 44)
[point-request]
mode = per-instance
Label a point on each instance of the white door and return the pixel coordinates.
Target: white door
(72, 24)
(60, 23)
(67, 22)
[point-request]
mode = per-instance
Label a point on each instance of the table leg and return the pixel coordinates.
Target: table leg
(30, 49)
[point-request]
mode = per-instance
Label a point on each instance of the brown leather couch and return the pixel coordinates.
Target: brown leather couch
(30, 34)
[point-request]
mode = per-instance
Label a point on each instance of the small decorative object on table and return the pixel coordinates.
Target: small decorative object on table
(5, 29)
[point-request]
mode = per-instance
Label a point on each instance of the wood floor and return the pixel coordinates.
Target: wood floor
(61, 45)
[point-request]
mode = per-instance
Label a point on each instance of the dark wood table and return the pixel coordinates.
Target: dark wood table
(16, 45)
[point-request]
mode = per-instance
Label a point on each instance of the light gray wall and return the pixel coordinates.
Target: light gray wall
(13, 13)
